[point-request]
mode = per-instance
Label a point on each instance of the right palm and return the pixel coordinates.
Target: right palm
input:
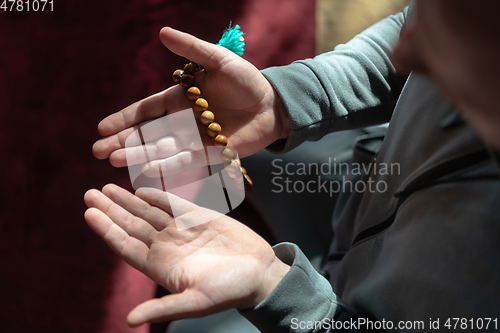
(243, 101)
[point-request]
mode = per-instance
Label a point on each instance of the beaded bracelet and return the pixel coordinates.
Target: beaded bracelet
(233, 40)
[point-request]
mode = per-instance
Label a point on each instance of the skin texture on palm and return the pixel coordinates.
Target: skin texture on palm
(243, 101)
(209, 268)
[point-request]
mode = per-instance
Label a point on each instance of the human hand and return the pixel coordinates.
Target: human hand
(251, 114)
(209, 268)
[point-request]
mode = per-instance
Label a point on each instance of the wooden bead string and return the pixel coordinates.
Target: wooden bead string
(185, 77)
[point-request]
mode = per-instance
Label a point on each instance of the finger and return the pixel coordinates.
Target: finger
(171, 100)
(166, 201)
(132, 225)
(207, 54)
(153, 139)
(133, 251)
(160, 149)
(103, 148)
(130, 137)
(155, 198)
(185, 213)
(182, 162)
(188, 304)
(156, 217)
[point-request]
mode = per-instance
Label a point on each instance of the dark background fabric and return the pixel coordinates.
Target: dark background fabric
(61, 72)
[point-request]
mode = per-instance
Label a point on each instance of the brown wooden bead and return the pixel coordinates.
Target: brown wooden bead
(193, 93)
(248, 182)
(191, 68)
(220, 140)
(227, 154)
(214, 129)
(200, 105)
(187, 81)
(177, 75)
(207, 117)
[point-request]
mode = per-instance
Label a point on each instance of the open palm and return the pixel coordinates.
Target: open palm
(209, 268)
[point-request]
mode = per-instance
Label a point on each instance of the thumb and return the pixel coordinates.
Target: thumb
(185, 45)
(188, 304)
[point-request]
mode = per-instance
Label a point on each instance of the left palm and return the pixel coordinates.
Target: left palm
(208, 268)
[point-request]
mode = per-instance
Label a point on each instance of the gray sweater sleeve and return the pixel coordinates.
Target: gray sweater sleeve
(302, 302)
(350, 87)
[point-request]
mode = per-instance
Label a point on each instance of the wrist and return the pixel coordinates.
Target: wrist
(273, 276)
(276, 273)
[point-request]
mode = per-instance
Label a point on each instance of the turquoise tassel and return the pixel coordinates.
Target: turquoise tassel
(233, 40)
